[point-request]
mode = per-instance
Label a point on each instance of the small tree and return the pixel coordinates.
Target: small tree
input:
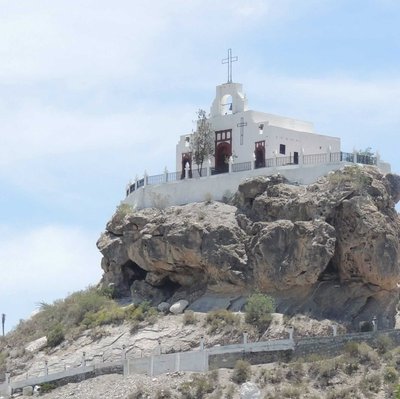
(366, 156)
(258, 311)
(203, 140)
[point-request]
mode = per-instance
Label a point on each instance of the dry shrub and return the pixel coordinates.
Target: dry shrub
(189, 317)
(241, 372)
(371, 383)
(218, 320)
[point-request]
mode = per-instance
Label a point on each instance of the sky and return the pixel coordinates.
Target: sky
(95, 92)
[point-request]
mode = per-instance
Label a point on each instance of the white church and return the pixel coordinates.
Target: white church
(248, 143)
(247, 135)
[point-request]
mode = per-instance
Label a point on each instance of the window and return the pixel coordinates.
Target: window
(282, 149)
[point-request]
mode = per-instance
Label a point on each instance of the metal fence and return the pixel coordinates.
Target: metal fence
(199, 173)
(156, 179)
(309, 159)
(315, 159)
(347, 157)
(174, 176)
(241, 167)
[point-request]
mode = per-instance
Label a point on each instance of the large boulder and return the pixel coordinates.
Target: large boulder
(341, 233)
(286, 254)
(179, 307)
(249, 390)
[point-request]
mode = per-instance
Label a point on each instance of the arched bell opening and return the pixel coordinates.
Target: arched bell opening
(226, 104)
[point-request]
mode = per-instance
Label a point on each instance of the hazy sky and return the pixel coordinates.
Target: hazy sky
(93, 92)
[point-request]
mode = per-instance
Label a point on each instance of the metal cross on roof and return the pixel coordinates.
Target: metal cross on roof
(229, 61)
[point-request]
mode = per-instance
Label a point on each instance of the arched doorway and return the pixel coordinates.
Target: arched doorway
(186, 158)
(259, 154)
(222, 154)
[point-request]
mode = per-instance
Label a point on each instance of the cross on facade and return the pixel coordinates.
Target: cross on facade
(242, 124)
(229, 61)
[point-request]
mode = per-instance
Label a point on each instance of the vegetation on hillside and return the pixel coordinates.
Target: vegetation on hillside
(79, 311)
(352, 177)
(258, 311)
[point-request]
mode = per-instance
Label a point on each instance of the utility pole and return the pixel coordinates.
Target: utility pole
(3, 320)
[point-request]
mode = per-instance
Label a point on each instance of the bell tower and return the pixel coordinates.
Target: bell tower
(229, 99)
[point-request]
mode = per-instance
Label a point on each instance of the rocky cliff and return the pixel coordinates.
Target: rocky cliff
(330, 249)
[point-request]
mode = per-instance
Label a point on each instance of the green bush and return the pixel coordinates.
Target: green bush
(47, 387)
(258, 311)
(55, 336)
(397, 392)
(89, 308)
(390, 375)
(198, 388)
(122, 211)
(241, 372)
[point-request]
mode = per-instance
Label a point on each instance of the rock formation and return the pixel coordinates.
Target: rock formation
(330, 249)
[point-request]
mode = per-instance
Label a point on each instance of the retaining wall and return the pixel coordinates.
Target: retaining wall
(333, 346)
(70, 375)
(196, 361)
(212, 358)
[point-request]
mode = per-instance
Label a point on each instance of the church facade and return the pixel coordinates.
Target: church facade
(243, 135)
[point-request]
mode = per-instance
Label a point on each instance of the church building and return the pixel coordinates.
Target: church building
(243, 135)
(246, 143)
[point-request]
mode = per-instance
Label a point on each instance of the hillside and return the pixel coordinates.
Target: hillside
(361, 371)
(327, 253)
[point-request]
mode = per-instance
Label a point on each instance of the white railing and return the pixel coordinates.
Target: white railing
(276, 162)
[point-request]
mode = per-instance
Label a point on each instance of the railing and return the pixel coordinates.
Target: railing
(314, 159)
(241, 167)
(270, 162)
(199, 173)
(157, 179)
(215, 171)
(140, 183)
(174, 176)
(335, 157)
(309, 159)
(347, 157)
(366, 159)
(281, 161)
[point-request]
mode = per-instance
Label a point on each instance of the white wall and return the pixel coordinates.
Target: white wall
(277, 130)
(215, 187)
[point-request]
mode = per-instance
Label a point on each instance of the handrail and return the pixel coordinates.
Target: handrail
(277, 161)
